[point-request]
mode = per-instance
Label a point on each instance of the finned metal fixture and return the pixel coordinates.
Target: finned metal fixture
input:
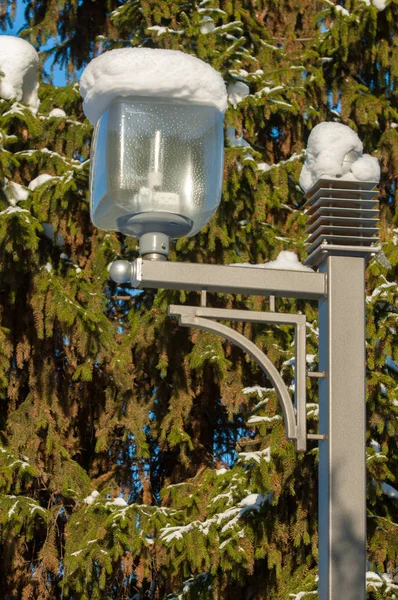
(342, 219)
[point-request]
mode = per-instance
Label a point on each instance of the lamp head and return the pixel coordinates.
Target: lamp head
(157, 152)
(156, 169)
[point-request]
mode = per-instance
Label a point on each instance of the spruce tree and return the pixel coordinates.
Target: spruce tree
(138, 459)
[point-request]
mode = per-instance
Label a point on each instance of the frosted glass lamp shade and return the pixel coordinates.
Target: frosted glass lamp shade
(156, 167)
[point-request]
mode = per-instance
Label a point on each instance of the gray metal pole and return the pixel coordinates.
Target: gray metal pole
(342, 493)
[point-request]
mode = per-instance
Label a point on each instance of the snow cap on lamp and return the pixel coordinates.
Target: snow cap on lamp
(149, 72)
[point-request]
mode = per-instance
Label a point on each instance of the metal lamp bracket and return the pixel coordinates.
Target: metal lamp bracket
(234, 279)
(203, 317)
(342, 228)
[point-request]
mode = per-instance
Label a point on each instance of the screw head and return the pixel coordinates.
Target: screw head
(120, 271)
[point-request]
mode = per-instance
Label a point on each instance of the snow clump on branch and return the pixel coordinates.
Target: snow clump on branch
(237, 91)
(19, 63)
(334, 151)
(149, 72)
(91, 498)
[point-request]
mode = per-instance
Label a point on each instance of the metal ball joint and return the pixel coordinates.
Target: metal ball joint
(120, 271)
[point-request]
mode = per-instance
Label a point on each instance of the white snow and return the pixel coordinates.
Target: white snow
(225, 543)
(334, 151)
(231, 516)
(262, 166)
(39, 180)
(253, 501)
(149, 72)
(374, 580)
(255, 389)
(13, 209)
(161, 30)
(237, 91)
(209, 9)
(289, 362)
(267, 90)
(389, 491)
(16, 109)
(380, 4)
(15, 192)
(91, 498)
(12, 509)
(342, 10)
(119, 502)
(236, 142)
(371, 575)
(48, 267)
(309, 358)
(22, 463)
(366, 168)
(19, 63)
(375, 445)
(266, 167)
(207, 25)
(255, 420)
(256, 456)
(170, 533)
(312, 409)
(221, 471)
(384, 289)
(286, 260)
(18, 192)
(34, 507)
(57, 112)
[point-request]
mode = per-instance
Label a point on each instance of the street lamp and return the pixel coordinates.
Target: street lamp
(156, 174)
(158, 147)
(156, 170)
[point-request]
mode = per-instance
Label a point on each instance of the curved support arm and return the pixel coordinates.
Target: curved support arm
(264, 363)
